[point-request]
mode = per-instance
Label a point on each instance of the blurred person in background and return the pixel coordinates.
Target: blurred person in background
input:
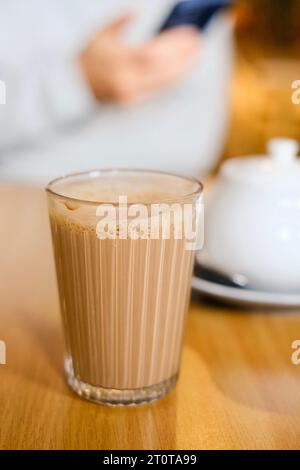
(93, 84)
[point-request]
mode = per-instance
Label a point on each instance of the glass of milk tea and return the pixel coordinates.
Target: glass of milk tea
(124, 244)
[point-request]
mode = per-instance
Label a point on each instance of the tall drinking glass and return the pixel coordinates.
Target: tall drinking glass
(124, 244)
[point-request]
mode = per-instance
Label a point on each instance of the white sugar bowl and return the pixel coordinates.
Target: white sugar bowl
(252, 224)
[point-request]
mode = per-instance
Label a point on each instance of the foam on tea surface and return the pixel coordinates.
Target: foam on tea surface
(145, 188)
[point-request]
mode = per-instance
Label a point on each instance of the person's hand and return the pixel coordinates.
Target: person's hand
(122, 74)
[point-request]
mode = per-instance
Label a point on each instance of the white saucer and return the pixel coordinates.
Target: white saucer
(245, 297)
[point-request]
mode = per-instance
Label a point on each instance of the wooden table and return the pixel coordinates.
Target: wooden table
(238, 388)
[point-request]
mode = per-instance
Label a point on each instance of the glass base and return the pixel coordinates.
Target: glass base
(116, 397)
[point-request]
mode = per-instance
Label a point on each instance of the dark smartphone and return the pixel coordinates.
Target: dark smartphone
(194, 12)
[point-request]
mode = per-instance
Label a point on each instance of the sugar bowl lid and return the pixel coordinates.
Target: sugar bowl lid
(281, 163)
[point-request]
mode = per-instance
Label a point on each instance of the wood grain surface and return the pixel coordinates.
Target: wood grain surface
(238, 388)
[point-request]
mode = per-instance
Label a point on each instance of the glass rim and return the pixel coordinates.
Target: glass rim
(93, 173)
